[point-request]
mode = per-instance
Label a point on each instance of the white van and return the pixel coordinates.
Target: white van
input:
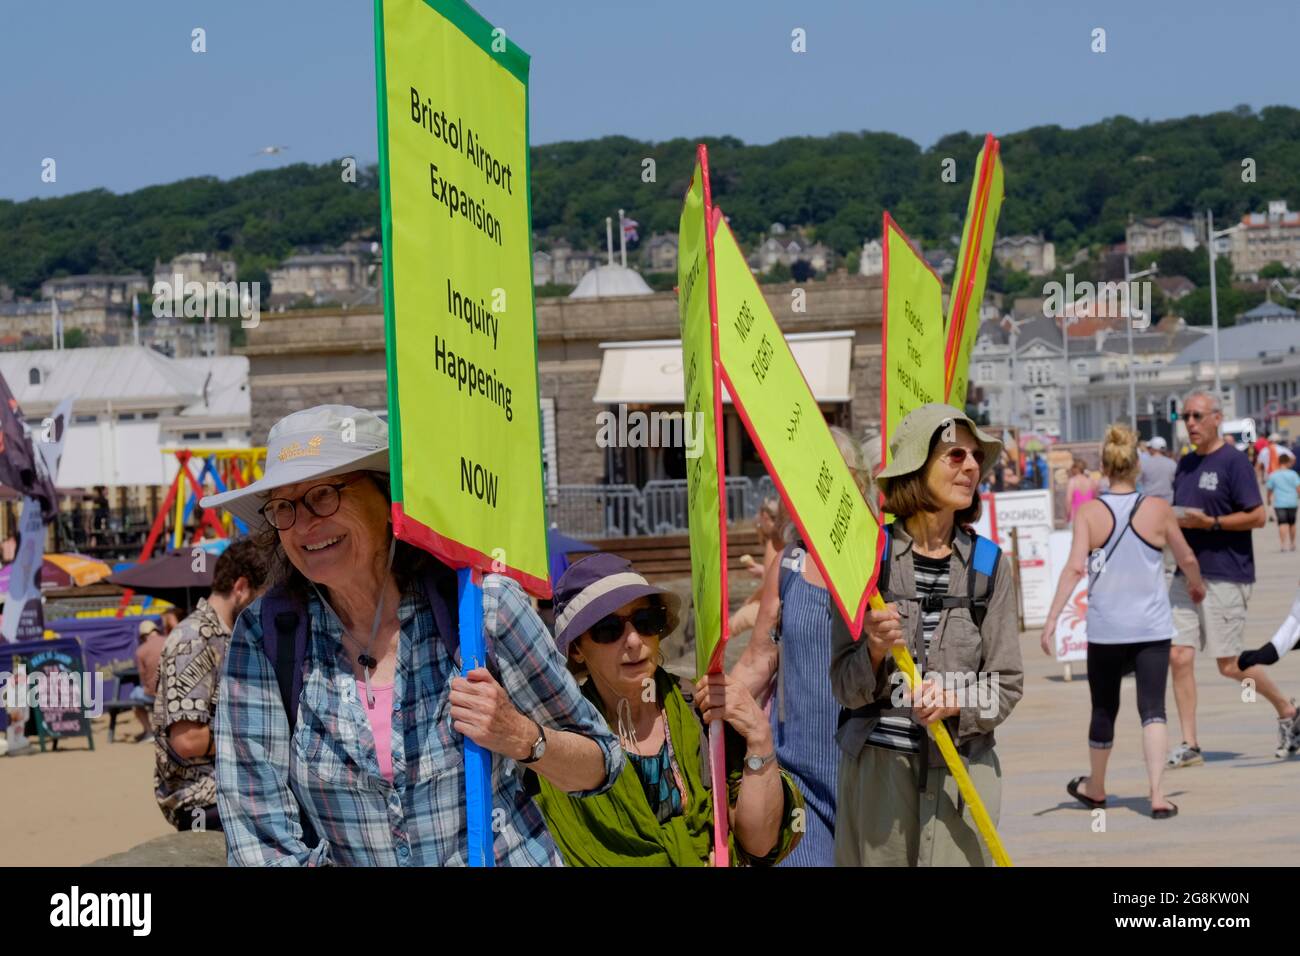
(1240, 431)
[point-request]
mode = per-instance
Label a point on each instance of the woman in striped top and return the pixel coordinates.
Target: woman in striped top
(897, 804)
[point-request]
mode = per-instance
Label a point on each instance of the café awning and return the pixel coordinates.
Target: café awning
(650, 372)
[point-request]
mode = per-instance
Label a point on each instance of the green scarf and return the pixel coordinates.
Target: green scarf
(618, 828)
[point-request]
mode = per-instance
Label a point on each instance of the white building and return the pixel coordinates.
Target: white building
(872, 262)
(131, 403)
(1159, 232)
(1265, 237)
(1020, 369)
(1031, 254)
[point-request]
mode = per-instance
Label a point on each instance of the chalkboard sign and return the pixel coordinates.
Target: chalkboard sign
(55, 695)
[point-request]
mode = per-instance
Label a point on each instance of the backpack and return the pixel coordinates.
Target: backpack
(981, 576)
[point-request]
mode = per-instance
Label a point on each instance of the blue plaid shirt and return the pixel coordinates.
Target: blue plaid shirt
(328, 762)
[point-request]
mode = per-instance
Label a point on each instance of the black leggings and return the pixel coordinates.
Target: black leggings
(1107, 663)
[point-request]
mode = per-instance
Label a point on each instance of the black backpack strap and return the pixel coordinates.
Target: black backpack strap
(882, 578)
(284, 641)
(440, 592)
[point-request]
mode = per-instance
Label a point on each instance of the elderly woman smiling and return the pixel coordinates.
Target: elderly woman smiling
(342, 715)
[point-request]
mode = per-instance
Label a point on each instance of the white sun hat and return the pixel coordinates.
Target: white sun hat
(313, 443)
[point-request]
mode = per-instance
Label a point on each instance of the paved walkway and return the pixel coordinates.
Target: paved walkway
(1241, 808)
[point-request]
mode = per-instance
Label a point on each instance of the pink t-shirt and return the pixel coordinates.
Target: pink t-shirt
(381, 723)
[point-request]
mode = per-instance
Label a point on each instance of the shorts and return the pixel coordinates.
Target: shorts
(1285, 515)
(138, 696)
(1216, 624)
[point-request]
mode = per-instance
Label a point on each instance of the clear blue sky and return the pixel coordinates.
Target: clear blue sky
(112, 91)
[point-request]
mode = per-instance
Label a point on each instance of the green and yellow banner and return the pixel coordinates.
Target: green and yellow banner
(464, 416)
(790, 433)
(967, 294)
(911, 361)
(707, 506)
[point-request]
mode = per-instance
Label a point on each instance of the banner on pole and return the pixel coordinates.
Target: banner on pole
(787, 427)
(967, 293)
(911, 360)
(706, 505)
(464, 416)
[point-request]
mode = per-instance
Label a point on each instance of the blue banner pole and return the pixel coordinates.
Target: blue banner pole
(478, 762)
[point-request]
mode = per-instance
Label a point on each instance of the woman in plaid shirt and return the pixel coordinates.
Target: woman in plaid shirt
(371, 772)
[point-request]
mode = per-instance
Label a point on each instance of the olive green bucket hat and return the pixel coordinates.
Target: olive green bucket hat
(910, 446)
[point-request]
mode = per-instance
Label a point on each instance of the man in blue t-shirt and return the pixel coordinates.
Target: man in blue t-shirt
(1217, 498)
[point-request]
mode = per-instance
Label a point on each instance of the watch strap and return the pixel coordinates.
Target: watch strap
(764, 760)
(538, 741)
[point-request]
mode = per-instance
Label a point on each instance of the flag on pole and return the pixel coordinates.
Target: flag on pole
(629, 229)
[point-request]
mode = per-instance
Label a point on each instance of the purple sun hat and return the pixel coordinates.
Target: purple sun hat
(597, 585)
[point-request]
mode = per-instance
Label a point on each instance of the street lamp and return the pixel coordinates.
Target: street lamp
(1132, 389)
(1065, 342)
(1210, 236)
(1015, 381)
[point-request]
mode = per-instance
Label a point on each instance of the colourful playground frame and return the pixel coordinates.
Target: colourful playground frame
(228, 468)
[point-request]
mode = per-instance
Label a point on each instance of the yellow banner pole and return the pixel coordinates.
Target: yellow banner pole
(955, 767)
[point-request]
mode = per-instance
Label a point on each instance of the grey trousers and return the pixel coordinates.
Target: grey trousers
(882, 819)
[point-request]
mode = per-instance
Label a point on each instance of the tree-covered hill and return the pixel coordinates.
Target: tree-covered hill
(1078, 187)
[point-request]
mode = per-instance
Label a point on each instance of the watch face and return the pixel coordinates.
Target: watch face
(755, 763)
(539, 749)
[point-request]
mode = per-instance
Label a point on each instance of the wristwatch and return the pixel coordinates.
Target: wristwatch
(756, 763)
(1216, 526)
(539, 746)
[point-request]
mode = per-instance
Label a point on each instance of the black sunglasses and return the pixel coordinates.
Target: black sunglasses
(647, 621)
(1196, 416)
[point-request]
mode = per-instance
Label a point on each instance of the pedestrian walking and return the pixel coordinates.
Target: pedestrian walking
(1217, 499)
(1119, 541)
(1282, 487)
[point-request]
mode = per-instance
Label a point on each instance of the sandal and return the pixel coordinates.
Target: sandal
(1165, 813)
(1072, 788)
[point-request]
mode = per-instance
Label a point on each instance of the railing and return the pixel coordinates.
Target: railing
(608, 511)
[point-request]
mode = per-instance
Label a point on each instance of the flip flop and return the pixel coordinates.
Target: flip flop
(1072, 788)
(1166, 813)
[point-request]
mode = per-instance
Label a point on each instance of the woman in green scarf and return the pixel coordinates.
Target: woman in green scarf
(608, 622)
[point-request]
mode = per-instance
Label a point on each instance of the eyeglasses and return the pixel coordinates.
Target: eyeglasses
(321, 500)
(1196, 416)
(957, 456)
(647, 621)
